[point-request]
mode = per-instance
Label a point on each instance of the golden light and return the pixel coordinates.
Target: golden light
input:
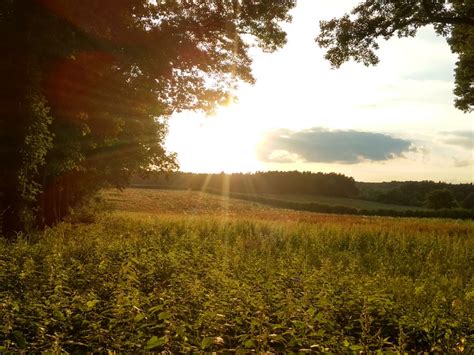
(225, 141)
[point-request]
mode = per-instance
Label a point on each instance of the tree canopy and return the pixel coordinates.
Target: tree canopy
(354, 35)
(87, 87)
(440, 199)
(272, 182)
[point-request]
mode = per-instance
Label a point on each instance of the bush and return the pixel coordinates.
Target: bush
(468, 202)
(89, 211)
(438, 199)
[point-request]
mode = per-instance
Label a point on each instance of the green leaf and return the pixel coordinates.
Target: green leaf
(206, 342)
(155, 309)
(19, 338)
(320, 318)
(249, 343)
(164, 315)
(58, 315)
(155, 342)
(356, 347)
(91, 304)
(139, 317)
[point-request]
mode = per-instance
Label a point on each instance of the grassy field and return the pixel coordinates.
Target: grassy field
(187, 271)
(323, 200)
(340, 201)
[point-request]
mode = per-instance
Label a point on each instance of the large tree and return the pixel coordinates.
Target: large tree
(354, 36)
(87, 86)
(438, 199)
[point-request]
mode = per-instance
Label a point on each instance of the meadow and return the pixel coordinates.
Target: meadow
(189, 271)
(340, 201)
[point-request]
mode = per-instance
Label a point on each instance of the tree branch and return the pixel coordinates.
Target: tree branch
(448, 20)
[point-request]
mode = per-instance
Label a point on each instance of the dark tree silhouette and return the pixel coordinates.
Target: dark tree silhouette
(354, 36)
(468, 202)
(438, 199)
(87, 86)
(273, 182)
(410, 193)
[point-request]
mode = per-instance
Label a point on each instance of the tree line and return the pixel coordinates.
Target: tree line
(442, 212)
(271, 182)
(430, 194)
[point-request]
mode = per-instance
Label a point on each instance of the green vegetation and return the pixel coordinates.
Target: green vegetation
(87, 87)
(414, 193)
(327, 193)
(340, 201)
(270, 182)
(343, 208)
(440, 199)
(468, 202)
(189, 271)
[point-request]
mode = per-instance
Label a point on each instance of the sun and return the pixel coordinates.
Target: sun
(225, 141)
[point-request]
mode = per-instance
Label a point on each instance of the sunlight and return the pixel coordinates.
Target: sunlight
(224, 142)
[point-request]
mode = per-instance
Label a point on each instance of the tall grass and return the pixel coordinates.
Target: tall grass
(207, 283)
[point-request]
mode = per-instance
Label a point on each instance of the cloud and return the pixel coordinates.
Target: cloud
(462, 163)
(325, 146)
(463, 139)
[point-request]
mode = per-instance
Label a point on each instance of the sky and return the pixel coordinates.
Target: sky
(394, 121)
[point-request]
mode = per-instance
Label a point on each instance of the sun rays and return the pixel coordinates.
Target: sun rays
(224, 142)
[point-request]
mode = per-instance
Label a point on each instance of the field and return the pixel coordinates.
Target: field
(339, 201)
(188, 271)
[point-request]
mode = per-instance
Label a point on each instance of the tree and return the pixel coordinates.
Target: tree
(438, 199)
(468, 202)
(87, 86)
(354, 36)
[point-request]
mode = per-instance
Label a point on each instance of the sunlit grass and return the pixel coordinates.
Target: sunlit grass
(181, 271)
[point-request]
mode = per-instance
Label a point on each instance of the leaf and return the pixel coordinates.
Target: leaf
(91, 304)
(320, 332)
(58, 315)
(320, 318)
(139, 317)
(155, 309)
(155, 342)
(356, 347)
(164, 315)
(249, 343)
(206, 342)
(19, 339)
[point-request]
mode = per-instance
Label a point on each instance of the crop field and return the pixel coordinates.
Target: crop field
(340, 201)
(183, 271)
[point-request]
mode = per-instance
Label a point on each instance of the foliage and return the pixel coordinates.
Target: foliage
(87, 87)
(278, 182)
(190, 202)
(438, 199)
(445, 209)
(354, 36)
(468, 202)
(409, 193)
(339, 284)
(354, 202)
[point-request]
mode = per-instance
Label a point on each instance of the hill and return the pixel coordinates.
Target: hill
(313, 187)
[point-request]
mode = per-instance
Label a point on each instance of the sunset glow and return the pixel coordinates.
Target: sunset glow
(407, 96)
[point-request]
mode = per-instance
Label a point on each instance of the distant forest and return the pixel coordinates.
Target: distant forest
(408, 193)
(414, 193)
(272, 182)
